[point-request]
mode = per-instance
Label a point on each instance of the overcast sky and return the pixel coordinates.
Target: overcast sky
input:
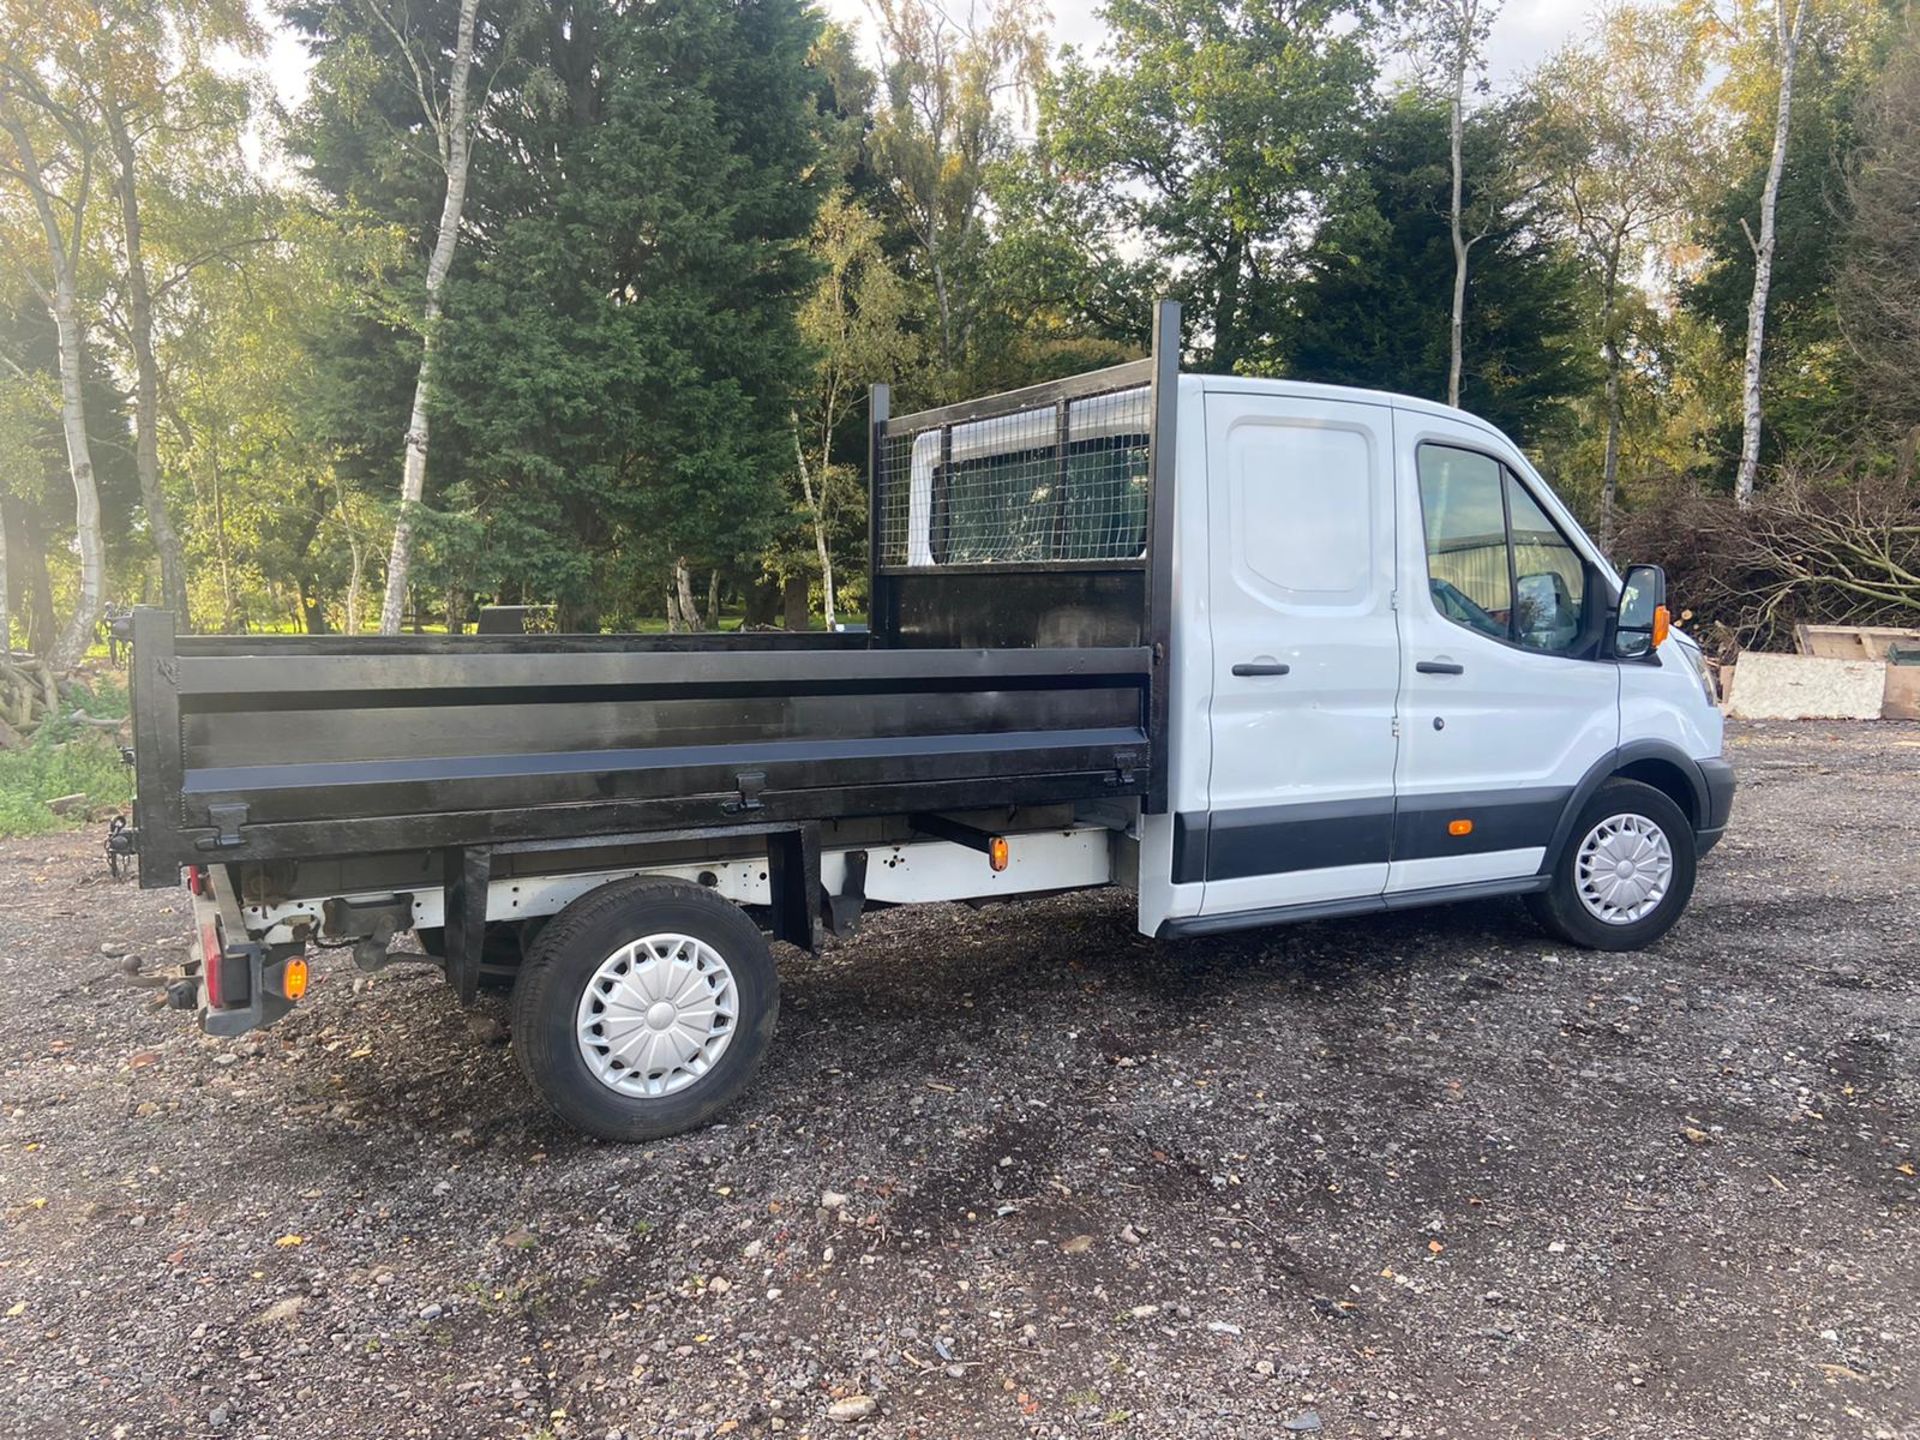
(1525, 33)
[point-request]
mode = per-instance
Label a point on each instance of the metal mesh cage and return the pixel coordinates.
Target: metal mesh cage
(1064, 481)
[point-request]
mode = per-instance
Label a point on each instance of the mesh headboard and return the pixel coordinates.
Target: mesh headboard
(1054, 475)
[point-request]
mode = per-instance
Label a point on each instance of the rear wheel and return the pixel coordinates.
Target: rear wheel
(644, 1008)
(1625, 874)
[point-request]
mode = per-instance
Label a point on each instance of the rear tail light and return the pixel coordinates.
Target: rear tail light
(196, 879)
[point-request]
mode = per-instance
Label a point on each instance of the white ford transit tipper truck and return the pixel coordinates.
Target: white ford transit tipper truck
(1257, 651)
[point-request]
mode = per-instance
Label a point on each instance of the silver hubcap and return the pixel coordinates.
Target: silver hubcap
(1623, 869)
(657, 1015)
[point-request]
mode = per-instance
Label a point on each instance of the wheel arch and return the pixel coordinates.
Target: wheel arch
(1666, 776)
(1658, 763)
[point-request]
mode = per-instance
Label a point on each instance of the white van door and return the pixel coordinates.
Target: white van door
(1505, 703)
(1300, 519)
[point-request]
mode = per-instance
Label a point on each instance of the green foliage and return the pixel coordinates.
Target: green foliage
(1809, 398)
(856, 323)
(1209, 130)
(65, 757)
(619, 349)
(1375, 304)
(942, 123)
(1878, 302)
(696, 231)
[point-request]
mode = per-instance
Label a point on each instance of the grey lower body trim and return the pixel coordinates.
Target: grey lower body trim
(1281, 839)
(1193, 925)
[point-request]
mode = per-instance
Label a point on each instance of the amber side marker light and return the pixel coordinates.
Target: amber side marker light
(997, 853)
(1459, 827)
(1662, 623)
(293, 979)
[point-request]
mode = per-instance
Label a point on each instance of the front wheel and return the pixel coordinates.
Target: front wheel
(644, 1008)
(1625, 873)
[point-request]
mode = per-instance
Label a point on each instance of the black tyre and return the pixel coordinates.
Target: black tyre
(644, 1008)
(1625, 874)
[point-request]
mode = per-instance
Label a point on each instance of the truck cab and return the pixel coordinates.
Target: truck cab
(1399, 677)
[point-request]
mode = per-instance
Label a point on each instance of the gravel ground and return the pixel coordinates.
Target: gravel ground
(1019, 1172)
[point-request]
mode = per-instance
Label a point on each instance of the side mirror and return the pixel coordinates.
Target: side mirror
(1641, 621)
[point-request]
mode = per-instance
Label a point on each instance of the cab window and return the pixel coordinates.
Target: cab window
(1550, 579)
(1496, 563)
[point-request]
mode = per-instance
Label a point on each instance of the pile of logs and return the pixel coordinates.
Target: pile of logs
(29, 696)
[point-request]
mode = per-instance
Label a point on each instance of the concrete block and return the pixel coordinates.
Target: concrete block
(1802, 687)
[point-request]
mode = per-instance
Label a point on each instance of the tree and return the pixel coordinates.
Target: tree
(1620, 138)
(1207, 133)
(1809, 394)
(856, 322)
(451, 124)
(1449, 36)
(150, 88)
(1788, 27)
(50, 156)
(942, 125)
(621, 353)
(1878, 300)
(616, 359)
(1372, 305)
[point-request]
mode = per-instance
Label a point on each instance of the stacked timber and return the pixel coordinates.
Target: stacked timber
(29, 695)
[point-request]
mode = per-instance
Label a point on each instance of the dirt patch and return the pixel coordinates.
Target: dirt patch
(1424, 1175)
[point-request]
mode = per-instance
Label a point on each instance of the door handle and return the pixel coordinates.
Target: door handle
(1439, 667)
(1263, 667)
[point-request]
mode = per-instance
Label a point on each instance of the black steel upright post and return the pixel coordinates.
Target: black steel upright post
(466, 875)
(1162, 441)
(879, 399)
(1062, 447)
(154, 672)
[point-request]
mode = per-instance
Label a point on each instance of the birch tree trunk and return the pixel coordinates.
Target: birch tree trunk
(455, 144)
(6, 614)
(63, 255)
(1610, 473)
(819, 524)
(146, 390)
(1456, 124)
(683, 594)
(1788, 33)
(228, 616)
(357, 556)
(92, 599)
